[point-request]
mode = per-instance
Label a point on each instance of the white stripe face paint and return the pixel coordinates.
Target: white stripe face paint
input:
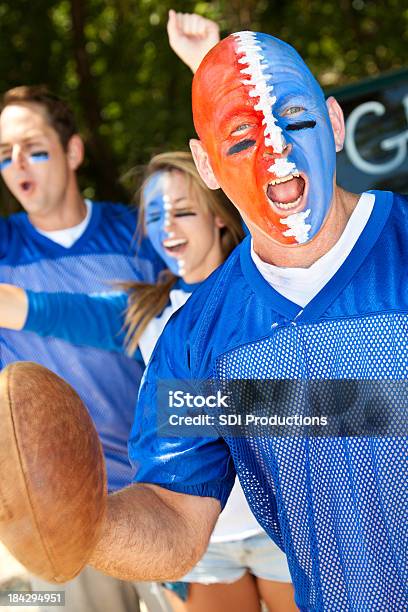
(257, 80)
(168, 209)
(167, 214)
(297, 226)
(259, 87)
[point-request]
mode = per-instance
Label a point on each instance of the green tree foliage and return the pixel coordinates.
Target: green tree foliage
(112, 61)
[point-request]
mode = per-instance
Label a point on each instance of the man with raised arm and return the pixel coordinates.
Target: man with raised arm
(317, 292)
(63, 242)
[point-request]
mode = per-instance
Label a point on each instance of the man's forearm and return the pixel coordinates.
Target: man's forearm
(150, 533)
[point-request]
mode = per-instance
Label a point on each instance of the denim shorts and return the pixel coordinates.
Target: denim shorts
(228, 561)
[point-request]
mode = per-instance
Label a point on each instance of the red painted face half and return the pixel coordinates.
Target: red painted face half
(262, 119)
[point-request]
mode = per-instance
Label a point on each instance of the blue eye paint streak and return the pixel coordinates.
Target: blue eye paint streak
(41, 156)
(5, 164)
(33, 158)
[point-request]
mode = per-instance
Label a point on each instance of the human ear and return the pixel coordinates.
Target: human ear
(75, 152)
(219, 222)
(337, 122)
(202, 163)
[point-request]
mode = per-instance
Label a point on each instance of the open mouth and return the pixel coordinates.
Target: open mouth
(286, 193)
(175, 246)
(27, 186)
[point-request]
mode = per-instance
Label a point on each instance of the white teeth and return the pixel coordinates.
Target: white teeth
(174, 243)
(284, 179)
(287, 205)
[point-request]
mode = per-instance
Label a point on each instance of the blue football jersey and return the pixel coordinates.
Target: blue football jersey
(106, 252)
(338, 506)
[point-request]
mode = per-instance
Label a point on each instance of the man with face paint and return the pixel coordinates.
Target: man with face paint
(317, 292)
(63, 242)
(268, 111)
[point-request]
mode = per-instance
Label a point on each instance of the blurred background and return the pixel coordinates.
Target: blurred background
(131, 94)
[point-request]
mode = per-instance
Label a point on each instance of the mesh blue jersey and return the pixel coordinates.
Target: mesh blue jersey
(337, 506)
(104, 253)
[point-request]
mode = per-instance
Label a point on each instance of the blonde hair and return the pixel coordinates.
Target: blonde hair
(146, 300)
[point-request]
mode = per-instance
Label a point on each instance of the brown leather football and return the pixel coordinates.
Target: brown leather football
(52, 473)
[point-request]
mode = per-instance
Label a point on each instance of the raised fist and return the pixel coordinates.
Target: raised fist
(191, 37)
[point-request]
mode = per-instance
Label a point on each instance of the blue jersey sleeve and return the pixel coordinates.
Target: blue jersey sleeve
(4, 237)
(196, 466)
(89, 320)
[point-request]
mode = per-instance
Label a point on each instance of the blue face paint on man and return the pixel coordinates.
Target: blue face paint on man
(32, 158)
(36, 158)
(267, 131)
(301, 114)
(157, 209)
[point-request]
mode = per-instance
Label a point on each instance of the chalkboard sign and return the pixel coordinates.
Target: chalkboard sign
(375, 154)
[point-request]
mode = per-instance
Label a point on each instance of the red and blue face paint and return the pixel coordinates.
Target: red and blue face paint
(263, 120)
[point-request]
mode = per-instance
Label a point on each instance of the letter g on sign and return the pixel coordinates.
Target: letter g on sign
(398, 142)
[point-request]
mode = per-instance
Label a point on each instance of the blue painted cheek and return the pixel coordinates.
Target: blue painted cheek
(156, 234)
(320, 171)
(313, 152)
(172, 264)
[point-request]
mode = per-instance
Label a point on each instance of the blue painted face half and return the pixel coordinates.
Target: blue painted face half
(301, 115)
(157, 209)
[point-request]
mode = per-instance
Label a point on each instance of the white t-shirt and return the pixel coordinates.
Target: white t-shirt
(68, 236)
(236, 521)
(154, 328)
(300, 285)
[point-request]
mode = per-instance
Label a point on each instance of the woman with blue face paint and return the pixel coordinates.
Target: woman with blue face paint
(191, 228)
(194, 230)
